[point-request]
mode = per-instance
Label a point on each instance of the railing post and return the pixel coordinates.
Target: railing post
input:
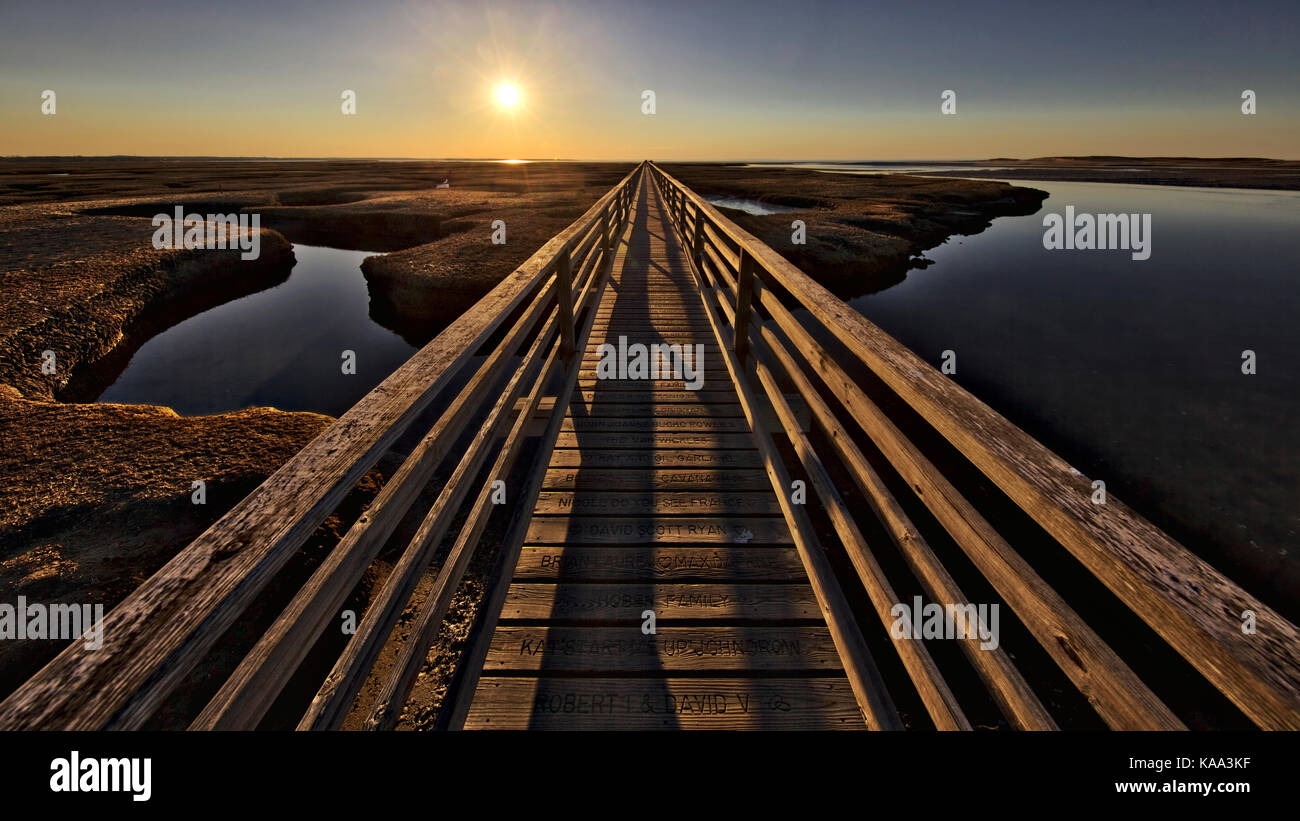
(697, 242)
(744, 296)
(604, 234)
(564, 299)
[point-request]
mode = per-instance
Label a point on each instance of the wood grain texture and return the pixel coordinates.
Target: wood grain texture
(654, 479)
(666, 503)
(511, 703)
(658, 530)
(574, 650)
(597, 603)
(661, 563)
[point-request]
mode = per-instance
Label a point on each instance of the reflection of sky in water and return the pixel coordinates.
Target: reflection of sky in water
(750, 206)
(282, 347)
(1131, 370)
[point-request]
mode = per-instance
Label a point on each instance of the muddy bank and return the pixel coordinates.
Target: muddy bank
(438, 281)
(95, 332)
(863, 233)
(98, 497)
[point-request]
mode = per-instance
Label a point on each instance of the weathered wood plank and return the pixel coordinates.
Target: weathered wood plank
(648, 529)
(576, 651)
(661, 410)
(666, 458)
(657, 564)
(669, 503)
(665, 440)
(626, 602)
(654, 424)
(649, 387)
(514, 703)
(655, 479)
(602, 400)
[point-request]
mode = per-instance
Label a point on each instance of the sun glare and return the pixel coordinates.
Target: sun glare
(507, 95)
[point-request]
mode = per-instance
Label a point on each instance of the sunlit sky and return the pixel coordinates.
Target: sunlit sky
(735, 80)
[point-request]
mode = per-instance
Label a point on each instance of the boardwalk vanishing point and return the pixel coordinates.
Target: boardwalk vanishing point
(723, 558)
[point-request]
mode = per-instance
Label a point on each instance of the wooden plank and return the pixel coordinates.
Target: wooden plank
(655, 479)
(577, 651)
(667, 503)
(705, 378)
(644, 529)
(649, 387)
(709, 368)
(661, 308)
(666, 458)
(703, 440)
(658, 564)
(653, 424)
(653, 400)
(606, 327)
(598, 603)
(694, 343)
(599, 410)
(514, 703)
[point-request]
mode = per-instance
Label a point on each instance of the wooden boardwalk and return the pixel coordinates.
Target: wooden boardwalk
(641, 502)
(655, 500)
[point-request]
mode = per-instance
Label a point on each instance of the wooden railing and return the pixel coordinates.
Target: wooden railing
(753, 293)
(157, 636)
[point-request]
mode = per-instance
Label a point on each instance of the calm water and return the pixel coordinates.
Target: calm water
(750, 206)
(281, 347)
(1132, 369)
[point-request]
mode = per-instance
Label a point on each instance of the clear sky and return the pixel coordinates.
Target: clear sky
(732, 80)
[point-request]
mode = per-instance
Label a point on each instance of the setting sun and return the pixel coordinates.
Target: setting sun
(507, 95)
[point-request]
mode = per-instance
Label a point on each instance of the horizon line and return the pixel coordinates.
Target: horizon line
(770, 160)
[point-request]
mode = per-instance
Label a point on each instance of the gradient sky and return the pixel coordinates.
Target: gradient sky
(733, 80)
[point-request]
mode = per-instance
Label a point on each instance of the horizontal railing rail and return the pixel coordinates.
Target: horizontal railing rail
(1188, 603)
(157, 636)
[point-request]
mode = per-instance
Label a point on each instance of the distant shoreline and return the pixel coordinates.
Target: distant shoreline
(1257, 173)
(1210, 172)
